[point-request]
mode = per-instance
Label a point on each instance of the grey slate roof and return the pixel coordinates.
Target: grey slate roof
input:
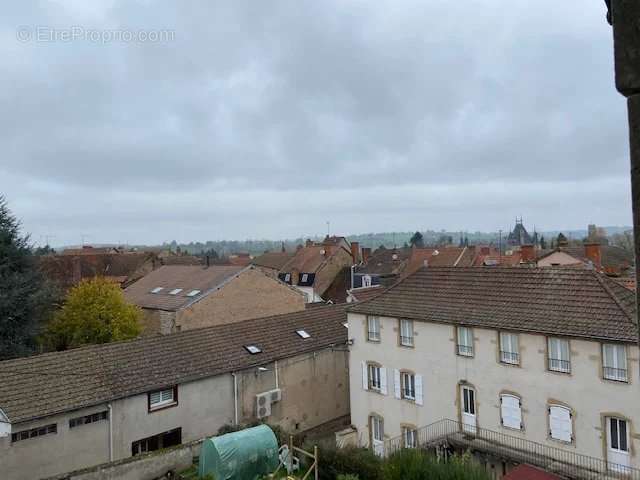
(52, 383)
(555, 301)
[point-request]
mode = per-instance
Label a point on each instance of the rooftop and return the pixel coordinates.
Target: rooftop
(52, 383)
(274, 260)
(555, 301)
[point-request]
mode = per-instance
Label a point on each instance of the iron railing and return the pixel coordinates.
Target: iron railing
(406, 341)
(465, 350)
(509, 357)
(566, 463)
(558, 365)
(619, 374)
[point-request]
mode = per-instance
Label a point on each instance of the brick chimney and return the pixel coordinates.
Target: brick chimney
(366, 253)
(76, 270)
(528, 253)
(355, 252)
(485, 250)
(295, 276)
(592, 252)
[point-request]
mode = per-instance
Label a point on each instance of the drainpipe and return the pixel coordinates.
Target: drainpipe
(275, 367)
(235, 398)
(110, 408)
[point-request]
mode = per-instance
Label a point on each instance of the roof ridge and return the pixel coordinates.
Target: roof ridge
(613, 296)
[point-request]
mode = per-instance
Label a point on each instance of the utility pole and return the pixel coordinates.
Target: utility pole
(624, 15)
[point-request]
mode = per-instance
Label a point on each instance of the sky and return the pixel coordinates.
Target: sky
(144, 121)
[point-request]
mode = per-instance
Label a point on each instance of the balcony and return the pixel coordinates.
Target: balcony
(564, 463)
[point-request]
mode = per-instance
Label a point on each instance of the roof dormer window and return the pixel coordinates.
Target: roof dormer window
(303, 334)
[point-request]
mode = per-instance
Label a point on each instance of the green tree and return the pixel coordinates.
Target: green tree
(417, 240)
(95, 311)
(26, 298)
(543, 243)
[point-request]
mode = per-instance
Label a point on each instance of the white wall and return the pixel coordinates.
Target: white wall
(434, 358)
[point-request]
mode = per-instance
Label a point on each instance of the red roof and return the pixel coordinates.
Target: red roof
(527, 472)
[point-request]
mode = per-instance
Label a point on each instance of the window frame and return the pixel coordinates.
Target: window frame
(519, 399)
(162, 404)
(371, 369)
(573, 433)
(509, 357)
(22, 435)
(409, 431)
(376, 337)
(464, 350)
(616, 368)
(88, 419)
(560, 361)
(402, 338)
(404, 376)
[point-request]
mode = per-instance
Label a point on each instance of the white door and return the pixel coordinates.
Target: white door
(617, 444)
(377, 435)
(468, 409)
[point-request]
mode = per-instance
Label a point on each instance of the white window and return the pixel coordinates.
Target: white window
(376, 424)
(408, 386)
(366, 280)
(511, 411)
(614, 360)
(287, 277)
(305, 277)
(175, 291)
(618, 445)
(374, 377)
(465, 341)
(509, 352)
(409, 437)
(193, 293)
(559, 359)
(560, 424)
(161, 398)
(406, 333)
(468, 409)
(303, 334)
(156, 290)
(373, 329)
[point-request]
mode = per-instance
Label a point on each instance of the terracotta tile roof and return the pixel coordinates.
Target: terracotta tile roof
(309, 259)
(439, 257)
(556, 301)
(51, 383)
(367, 293)
(612, 256)
(274, 260)
(186, 277)
(527, 472)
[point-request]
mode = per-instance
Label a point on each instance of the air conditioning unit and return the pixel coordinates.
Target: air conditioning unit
(276, 395)
(263, 405)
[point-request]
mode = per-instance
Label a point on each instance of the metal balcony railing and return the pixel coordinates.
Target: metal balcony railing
(406, 341)
(558, 365)
(619, 374)
(565, 463)
(465, 350)
(509, 357)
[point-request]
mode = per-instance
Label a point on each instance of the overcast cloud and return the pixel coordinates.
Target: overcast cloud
(265, 119)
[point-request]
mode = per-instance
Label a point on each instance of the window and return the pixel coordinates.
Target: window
(157, 290)
(287, 277)
(618, 455)
(34, 432)
(614, 361)
(175, 291)
(252, 349)
(376, 428)
(156, 442)
(618, 434)
(406, 333)
(374, 377)
(193, 293)
(559, 360)
(305, 277)
(366, 280)
(373, 329)
(408, 385)
(511, 411)
(560, 423)
(509, 348)
(465, 341)
(409, 437)
(468, 409)
(96, 417)
(303, 334)
(163, 398)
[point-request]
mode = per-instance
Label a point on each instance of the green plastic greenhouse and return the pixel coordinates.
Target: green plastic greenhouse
(244, 455)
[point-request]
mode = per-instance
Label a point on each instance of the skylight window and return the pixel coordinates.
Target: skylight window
(305, 277)
(193, 293)
(252, 349)
(303, 334)
(175, 291)
(156, 290)
(345, 325)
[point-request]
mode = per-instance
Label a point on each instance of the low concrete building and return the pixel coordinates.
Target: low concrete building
(69, 410)
(183, 297)
(511, 355)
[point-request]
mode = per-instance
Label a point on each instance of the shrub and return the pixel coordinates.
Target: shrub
(348, 477)
(418, 465)
(356, 462)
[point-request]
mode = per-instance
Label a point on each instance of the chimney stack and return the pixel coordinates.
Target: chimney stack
(77, 270)
(528, 253)
(295, 276)
(208, 261)
(592, 252)
(355, 252)
(366, 252)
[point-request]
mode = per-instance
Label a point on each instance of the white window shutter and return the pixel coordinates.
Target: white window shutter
(419, 396)
(560, 423)
(396, 383)
(365, 376)
(511, 412)
(383, 380)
